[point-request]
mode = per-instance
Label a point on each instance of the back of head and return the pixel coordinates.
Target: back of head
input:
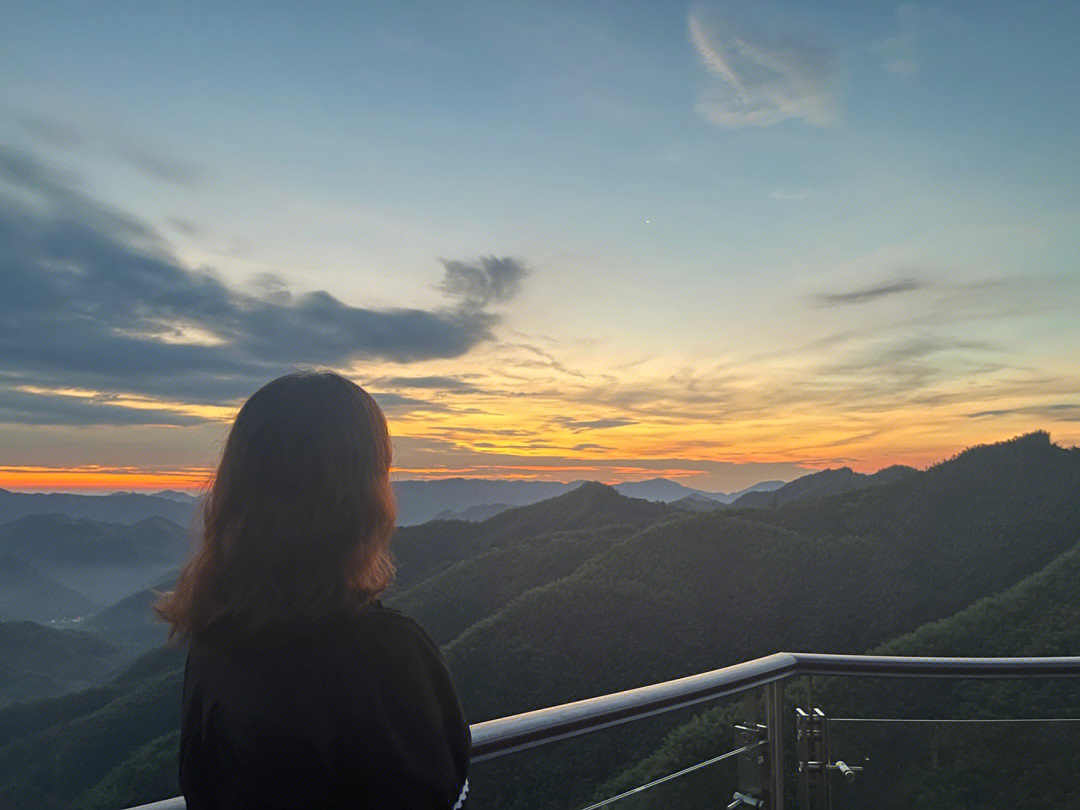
(300, 515)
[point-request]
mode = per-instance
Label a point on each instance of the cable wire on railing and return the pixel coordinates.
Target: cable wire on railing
(953, 720)
(676, 775)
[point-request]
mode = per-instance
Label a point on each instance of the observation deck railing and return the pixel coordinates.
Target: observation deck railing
(506, 735)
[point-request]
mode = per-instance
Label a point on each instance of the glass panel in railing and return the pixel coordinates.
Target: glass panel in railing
(960, 744)
(686, 758)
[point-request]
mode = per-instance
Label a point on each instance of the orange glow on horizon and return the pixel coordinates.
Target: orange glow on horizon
(92, 477)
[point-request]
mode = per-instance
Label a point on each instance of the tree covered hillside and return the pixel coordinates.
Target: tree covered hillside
(973, 765)
(422, 551)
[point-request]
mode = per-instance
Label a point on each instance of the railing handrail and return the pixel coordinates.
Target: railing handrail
(903, 666)
(505, 735)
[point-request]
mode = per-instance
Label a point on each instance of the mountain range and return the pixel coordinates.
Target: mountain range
(418, 501)
(592, 592)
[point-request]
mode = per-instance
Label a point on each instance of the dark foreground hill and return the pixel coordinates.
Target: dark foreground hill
(39, 662)
(973, 765)
(449, 602)
(676, 594)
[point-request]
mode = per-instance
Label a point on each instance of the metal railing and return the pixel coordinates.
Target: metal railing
(505, 735)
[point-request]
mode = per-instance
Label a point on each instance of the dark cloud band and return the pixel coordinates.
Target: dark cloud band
(92, 299)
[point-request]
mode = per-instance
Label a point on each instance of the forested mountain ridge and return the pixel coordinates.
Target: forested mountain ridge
(40, 662)
(821, 484)
(450, 601)
(830, 563)
(672, 595)
(422, 551)
(1038, 616)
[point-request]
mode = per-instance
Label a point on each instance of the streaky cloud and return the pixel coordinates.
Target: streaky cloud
(577, 425)
(1060, 412)
(178, 171)
(867, 294)
(436, 382)
(51, 131)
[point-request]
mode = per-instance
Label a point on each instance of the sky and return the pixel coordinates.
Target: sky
(719, 243)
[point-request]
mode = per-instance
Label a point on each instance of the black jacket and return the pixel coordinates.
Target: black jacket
(358, 713)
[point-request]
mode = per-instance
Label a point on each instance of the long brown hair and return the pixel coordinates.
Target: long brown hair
(299, 518)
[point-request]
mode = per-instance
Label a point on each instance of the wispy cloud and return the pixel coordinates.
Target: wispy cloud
(93, 300)
(797, 195)
(761, 76)
(867, 294)
(171, 169)
(901, 53)
(578, 425)
(431, 381)
(59, 134)
(1060, 412)
(51, 131)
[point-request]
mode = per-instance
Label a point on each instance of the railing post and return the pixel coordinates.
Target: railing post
(774, 719)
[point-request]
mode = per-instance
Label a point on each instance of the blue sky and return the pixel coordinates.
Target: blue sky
(754, 233)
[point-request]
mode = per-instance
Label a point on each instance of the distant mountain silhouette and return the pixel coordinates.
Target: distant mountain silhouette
(660, 489)
(421, 501)
(821, 484)
(27, 593)
(418, 501)
(179, 497)
(663, 489)
(474, 514)
(119, 508)
(698, 503)
(588, 506)
(449, 498)
(761, 486)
